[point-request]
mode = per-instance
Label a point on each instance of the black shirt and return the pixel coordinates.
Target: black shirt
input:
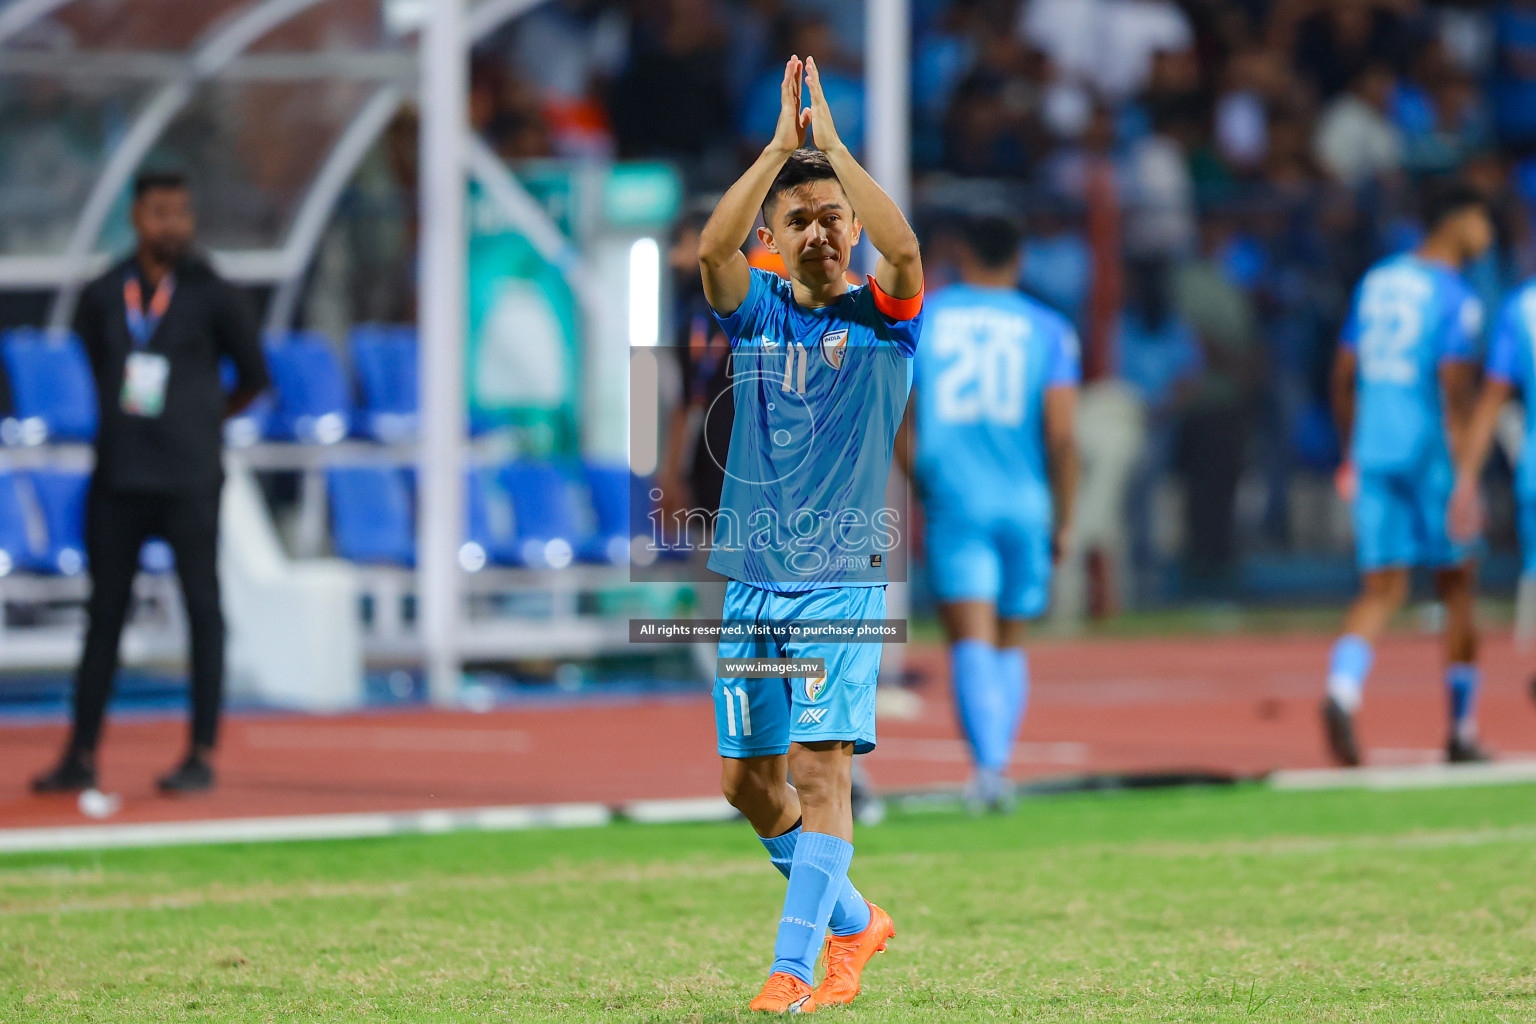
(706, 359)
(207, 319)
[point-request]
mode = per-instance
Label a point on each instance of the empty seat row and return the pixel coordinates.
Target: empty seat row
(311, 402)
(524, 514)
(42, 525)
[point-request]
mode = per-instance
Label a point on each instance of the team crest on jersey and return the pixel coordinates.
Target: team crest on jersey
(833, 346)
(815, 687)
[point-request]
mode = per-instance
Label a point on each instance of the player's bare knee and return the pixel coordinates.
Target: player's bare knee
(736, 783)
(821, 780)
(1389, 589)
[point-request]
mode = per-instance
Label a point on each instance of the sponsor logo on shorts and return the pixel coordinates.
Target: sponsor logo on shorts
(815, 687)
(812, 716)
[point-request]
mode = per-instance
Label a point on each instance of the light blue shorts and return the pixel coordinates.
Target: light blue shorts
(761, 717)
(1005, 560)
(1400, 520)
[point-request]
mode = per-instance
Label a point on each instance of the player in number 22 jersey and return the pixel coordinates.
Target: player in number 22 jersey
(1402, 387)
(820, 374)
(995, 465)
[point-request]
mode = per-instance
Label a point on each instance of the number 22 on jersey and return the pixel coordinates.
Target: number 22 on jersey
(1392, 307)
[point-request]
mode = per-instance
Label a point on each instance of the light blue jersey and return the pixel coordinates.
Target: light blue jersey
(820, 394)
(1512, 361)
(988, 357)
(1409, 316)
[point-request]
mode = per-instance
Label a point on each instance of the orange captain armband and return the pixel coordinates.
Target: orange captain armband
(895, 309)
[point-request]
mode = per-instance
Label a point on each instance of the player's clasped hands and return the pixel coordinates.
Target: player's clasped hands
(790, 133)
(819, 115)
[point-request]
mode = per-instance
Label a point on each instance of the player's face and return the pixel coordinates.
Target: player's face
(162, 218)
(1476, 231)
(814, 230)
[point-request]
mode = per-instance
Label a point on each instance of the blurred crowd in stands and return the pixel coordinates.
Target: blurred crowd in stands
(1202, 181)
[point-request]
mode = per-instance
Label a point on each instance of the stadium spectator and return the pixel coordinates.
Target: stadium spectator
(1160, 360)
(1514, 73)
(1356, 141)
(156, 327)
(1216, 427)
(1335, 40)
(672, 99)
(1108, 43)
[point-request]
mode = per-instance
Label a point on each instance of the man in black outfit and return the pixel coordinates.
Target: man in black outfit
(156, 327)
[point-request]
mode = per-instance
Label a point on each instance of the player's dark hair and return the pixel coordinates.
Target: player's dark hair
(146, 182)
(992, 238)
(803, 167)
(1442, 200)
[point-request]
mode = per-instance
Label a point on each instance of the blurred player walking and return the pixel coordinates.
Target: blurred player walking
(1511, 367)
(821, 373)
(1402, 392)
(996, 382)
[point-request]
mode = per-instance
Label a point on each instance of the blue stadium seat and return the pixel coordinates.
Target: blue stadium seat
(313, 400)
(51, 388)
(384, 356)
(61, 500)
(489, 537)
(156, 557)
(544, 517)
(15, 539)
(371, 518)
(612, 489)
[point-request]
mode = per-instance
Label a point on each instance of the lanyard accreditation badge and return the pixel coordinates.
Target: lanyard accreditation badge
(146, 373)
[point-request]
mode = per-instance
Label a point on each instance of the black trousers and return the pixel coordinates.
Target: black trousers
(117, 523)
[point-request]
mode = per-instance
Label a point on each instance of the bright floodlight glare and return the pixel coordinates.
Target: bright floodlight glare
(644, 292)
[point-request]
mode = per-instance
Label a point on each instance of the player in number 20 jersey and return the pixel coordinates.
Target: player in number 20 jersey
(996, 381)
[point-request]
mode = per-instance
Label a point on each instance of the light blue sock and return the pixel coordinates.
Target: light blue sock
(817, 875)
(851, 914)
(1461, 679)
(979, 700)
(1013, 679)
(1348, 666)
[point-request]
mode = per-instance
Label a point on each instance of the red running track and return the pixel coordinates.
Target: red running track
(1241, 705)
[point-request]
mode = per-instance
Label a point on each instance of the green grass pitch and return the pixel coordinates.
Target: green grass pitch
(1216, 905)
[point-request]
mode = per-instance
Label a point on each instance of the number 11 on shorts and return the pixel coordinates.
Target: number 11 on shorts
(734, 695)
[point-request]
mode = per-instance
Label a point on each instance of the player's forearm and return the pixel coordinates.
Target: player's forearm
(732, 221)
(1061, 466)
(883, 222)
(1477, 439)
(1342, 391)
(902, 449)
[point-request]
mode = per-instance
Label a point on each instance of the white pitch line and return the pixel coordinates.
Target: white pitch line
(1424, 776)
(299, 827)
(672, 812)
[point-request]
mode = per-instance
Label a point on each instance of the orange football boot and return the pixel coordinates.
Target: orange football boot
(784, 993)
(847, 954)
